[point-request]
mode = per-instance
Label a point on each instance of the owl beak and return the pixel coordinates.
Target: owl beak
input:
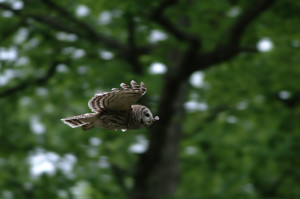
(155, 119)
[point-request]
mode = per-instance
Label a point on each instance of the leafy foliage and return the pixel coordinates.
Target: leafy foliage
(242, 143)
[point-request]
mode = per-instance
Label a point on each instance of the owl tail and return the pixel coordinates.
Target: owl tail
(85, 120)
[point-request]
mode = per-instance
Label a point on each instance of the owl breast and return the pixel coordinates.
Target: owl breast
(113, 120)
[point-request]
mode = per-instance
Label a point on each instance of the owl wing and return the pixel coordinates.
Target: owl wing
(118, 99)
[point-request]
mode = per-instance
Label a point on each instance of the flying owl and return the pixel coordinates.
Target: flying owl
(115, 110)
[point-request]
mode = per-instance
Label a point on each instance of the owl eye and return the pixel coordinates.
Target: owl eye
(147, 114)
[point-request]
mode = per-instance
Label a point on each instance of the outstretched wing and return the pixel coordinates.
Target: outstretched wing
(118, 99)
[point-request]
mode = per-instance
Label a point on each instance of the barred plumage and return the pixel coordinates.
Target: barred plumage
(114, 110)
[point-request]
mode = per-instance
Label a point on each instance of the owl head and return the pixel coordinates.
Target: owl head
(143, 115)
(147, 117)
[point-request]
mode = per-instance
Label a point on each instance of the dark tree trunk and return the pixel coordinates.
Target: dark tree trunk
(158, 170)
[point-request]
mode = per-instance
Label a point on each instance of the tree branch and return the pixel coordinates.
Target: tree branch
(38, 81)
(133, 54)
(158, 16)
(107, 41)
(5, 6)
(54, 23)
(91, 32)
(50, 21)
(83, 29)
(8, 32)
(223, 52)
(129, 52)
(238, 28)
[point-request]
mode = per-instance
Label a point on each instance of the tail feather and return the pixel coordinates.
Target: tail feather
(73, 122)
(85, 120)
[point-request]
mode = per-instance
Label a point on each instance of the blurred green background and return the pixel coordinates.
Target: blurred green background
(223, 76)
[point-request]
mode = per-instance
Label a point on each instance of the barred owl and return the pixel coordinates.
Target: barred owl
(114, 110)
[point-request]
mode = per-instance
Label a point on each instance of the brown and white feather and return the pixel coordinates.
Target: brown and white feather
(80, 120)
(115, 110)
(118, 99)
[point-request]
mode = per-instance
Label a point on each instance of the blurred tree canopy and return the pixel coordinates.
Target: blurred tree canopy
(223, 76)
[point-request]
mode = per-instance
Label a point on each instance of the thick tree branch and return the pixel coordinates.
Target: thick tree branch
(158, 16)
(238, 28)
(225, 51)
